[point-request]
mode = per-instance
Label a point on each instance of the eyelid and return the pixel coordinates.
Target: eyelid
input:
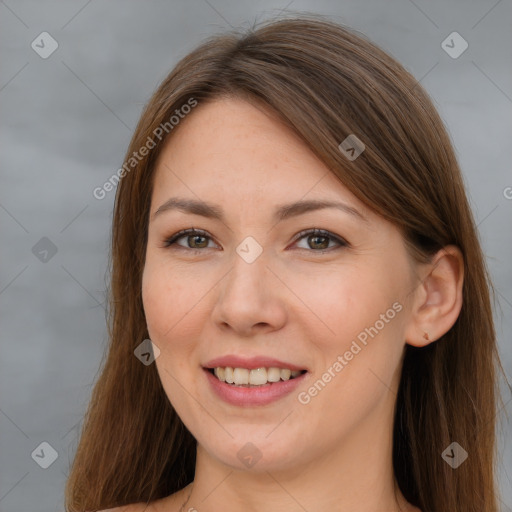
(321, 232)
(170, 241)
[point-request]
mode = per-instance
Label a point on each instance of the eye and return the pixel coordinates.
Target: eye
(196, 237)
(317, 239)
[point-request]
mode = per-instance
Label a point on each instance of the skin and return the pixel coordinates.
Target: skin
(292, 303)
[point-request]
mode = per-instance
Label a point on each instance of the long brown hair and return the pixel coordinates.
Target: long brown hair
(326, 82)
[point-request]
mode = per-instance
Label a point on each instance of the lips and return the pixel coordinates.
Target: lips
(251, 363)
(246, 395)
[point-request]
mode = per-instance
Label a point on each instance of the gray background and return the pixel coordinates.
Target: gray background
(66, 122)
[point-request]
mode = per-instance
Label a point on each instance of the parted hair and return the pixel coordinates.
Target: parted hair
(326, 82)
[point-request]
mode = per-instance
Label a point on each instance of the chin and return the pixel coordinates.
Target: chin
(256, 454)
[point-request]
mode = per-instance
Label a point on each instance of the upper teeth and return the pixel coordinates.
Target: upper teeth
(256, 377)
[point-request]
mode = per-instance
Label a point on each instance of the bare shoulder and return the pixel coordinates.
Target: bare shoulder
(173, 502)
(134, 507)
(170, 503)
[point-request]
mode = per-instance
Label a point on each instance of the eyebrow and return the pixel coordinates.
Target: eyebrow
(282, 212)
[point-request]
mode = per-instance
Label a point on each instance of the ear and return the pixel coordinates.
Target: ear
(438, 298)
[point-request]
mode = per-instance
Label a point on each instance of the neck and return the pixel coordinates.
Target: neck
(357, 477)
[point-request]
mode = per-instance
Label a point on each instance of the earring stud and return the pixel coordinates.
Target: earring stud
(426, 336)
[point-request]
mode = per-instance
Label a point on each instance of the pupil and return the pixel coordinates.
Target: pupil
(195, 237)
(316, 237)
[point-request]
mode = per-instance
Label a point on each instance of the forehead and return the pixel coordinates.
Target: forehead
(229, 150)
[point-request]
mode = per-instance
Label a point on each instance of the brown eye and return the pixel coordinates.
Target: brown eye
(195, 240)
(318, 240)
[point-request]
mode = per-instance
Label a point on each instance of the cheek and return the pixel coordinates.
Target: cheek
(166, 304)
(155, 301)
(344, 302)
(167, 300)
(358, 316)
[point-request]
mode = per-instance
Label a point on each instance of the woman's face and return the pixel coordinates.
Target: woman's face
(250, 291)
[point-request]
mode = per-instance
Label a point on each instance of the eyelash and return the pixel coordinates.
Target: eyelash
(315, 231)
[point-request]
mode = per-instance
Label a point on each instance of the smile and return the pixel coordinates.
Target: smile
(271, 384)
(254, 377)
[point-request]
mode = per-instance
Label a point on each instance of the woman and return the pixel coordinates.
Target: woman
(292, 233)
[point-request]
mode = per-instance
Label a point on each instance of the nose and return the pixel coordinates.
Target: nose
(251, 299)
